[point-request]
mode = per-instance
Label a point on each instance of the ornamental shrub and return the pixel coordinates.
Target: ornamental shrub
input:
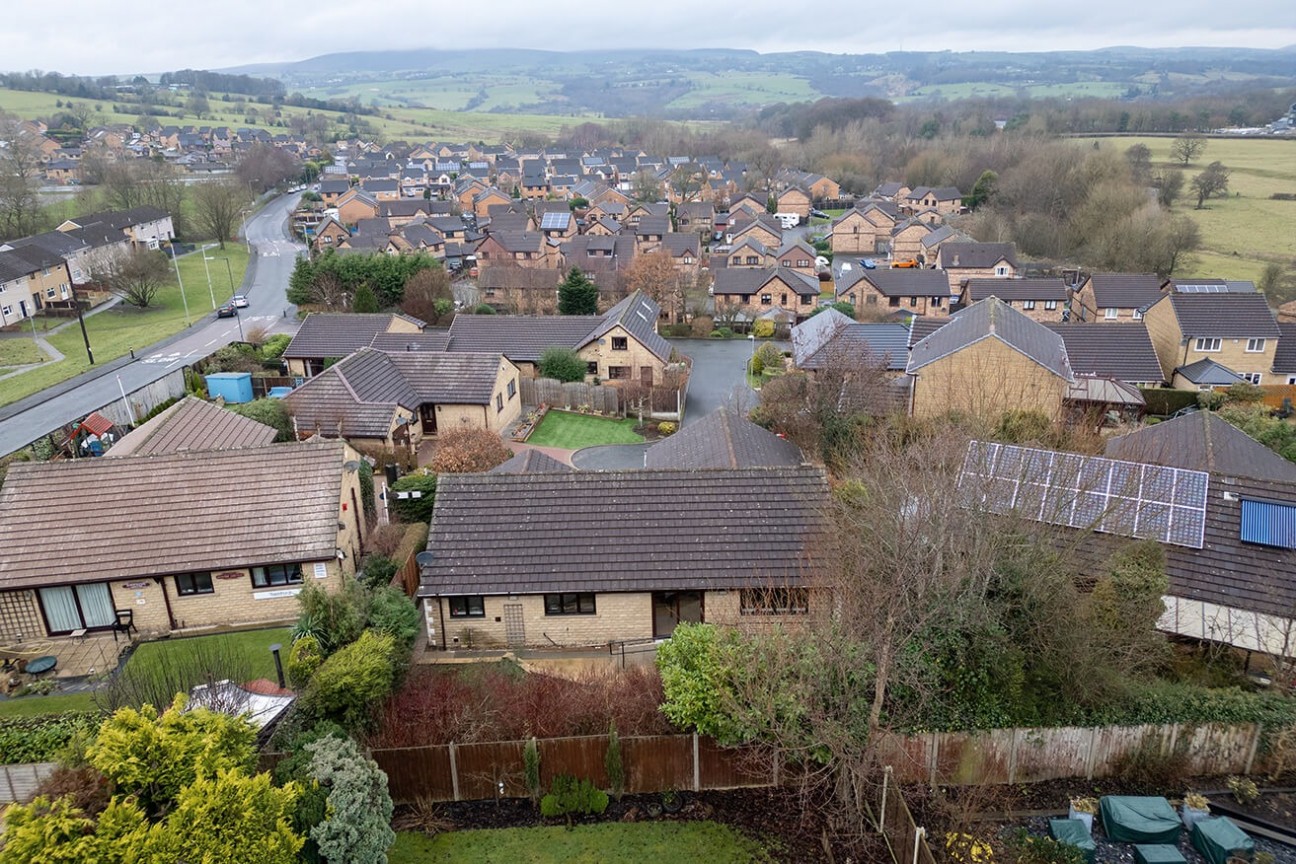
(667, 427)
(763, 328)
(357, 829)
(355, 679)
(413, 509)
(304, 658)
(394, 614)
(570, 797)
(562, 364)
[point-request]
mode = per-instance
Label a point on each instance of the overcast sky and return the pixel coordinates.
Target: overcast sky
(93, 37)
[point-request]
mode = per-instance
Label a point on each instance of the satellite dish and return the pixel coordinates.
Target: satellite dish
(351, 465)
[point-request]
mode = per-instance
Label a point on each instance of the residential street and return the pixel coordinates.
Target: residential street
(265, 285)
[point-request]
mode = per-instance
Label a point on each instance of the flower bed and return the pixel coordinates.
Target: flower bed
(529, 424)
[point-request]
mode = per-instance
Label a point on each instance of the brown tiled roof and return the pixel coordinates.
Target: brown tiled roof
(1202, 441)
(976, 255)
(1126, 290)
(97, 519)
(1228, 316)
(1121, 351)
(192, 424)
(623, 531)
(329, 334)
(722, 439)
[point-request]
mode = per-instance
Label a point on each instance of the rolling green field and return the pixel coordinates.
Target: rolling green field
(114, 332)
(1244, 230)
(744, 88)
(982, 89)
(446, 93)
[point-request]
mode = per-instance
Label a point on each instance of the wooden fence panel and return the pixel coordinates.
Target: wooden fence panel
(417, 772)
(1219, 749)
(1047, 754)
(1112, 742)
(18, 783)
(732, 767)
(981, 757)
(482, 767)
(909, 755)
(658, 763)
(580, 757)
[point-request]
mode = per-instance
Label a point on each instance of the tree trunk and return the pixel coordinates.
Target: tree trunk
(880, 677)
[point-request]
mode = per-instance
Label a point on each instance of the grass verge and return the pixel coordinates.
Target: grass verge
(114, 332)
(607, 843)
(573, 431)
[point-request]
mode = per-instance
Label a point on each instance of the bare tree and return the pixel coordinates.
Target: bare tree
(264, 167)
(136, 277)
(20, 208)
(1187, 148)
(146, 182)
(656, 276)
(1211, 183)
(217, 206)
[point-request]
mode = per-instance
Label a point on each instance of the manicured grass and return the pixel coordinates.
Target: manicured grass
(114, 332)
(1242, 231)
(253, 644)
(605, 843)
(58, 703)
(574, 431)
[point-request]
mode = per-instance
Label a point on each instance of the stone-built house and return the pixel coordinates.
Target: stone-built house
(906, 241)
(357, 205)
(583, 559)
(1116, 297)
(962, 261)
(796, 200)
(31, 278)
(399, 397)
(517, 249)
(1235, 331)
(865, 229)
(749, 252)
(330, 336)
(797, 255)
(1041, 299)
(696, 216)
(921, 292)
(685, 251)
(754, 291)
(764, 229)
(204, 546)
(749, 204)
(945, 200)
(1107, 350)
(987, 359)
(329, 234)
(1284, 365)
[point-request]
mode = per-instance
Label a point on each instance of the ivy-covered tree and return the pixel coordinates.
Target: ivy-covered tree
(577, 294)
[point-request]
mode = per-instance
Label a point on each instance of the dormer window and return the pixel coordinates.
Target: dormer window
(1001, 270)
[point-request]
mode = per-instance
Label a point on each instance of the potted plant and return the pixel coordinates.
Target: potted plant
(1084, 809)
(1194, 809)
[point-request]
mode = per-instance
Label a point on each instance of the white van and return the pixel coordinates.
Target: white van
(788, 220)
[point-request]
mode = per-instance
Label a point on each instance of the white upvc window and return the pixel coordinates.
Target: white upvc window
(1253, 377)
(1050, 305)
(1001, 271)
(1206, 343)
(1028, 304)
(1138, 314)
(1255, 346)
(1110, 313)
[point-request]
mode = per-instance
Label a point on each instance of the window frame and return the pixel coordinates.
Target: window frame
(779, 600)
(1111, 313)
(499, 402)
(1028, 305)
(467, 609)
(570, 603)
(619, 373)
(624, 343)
(1215, 344)
(767, 299)
(266, 575)
(512, 389)
(1258, 342)
(195, 589)
(591, 367)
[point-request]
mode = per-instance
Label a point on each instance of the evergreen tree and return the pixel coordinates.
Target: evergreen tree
(577, 295)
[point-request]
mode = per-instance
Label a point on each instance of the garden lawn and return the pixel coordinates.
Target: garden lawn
(20, 352)
(254, 644)
(573, 431)
(58, 703)
(605, 843)
(114, 332)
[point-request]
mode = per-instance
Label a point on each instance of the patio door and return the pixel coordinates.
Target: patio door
(514, 625)
(674, 607)
(77, 607)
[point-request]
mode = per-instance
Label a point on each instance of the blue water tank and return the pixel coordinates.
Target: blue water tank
(231, 386)
(279, 392)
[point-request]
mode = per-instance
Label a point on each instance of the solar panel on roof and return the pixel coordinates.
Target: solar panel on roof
(1129, 499)
(554, 221)
(1199, 288)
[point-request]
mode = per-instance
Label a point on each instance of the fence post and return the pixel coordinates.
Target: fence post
(919, 835)
(886, 782)
(933, 757)
(454, 771)
(1089, 760)
(697, 767)
(1255, 744)
(1012, 756)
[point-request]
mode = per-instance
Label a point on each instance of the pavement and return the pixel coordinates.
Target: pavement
(265, 285)
(719, 380)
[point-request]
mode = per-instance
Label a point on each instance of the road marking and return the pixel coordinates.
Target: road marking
(212, 342)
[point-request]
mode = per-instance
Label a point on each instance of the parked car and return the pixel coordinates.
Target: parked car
(240, 301)
(819, 214)
(226, 311)
(868, 263)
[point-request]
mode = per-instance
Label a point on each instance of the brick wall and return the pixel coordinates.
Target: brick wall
(617, 617)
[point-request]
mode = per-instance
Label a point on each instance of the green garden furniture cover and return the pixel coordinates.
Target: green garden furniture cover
(1159, 853)
(1073, 833)
(1135, 819)
(1217, 838)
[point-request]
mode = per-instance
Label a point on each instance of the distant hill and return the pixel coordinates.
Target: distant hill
(720, 83)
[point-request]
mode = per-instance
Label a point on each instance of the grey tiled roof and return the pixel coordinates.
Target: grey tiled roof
(530, 461)
(1229, 316)
(624, 531)
(638, 315)
(431, 339)
(872, 343)
(1207, 371)
(815, 332)
(1126, 290)
(1121, 351)
(192, 424)
(976, 255)
(521, 338)
(900, 282)
(1017, 289)
(1203, 441)
(991, 318)
(171, 513)
(1285, 356)
(722, 439)
(328, 334)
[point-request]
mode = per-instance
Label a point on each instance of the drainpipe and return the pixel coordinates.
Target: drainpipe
(166, 599)
(441, 615)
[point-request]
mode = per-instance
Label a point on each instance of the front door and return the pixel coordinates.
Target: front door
(427, 414)
(675, 607)
(514, 627)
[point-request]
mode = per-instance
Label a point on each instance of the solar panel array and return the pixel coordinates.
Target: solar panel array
(554, 221)
(1201, 288)
(1130, 499)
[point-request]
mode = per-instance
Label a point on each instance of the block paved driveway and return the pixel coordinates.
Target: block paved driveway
(719, 379)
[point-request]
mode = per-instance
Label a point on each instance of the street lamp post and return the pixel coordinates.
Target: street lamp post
(183, 299)
(751, 337)
(230, 274)
(207, 269)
